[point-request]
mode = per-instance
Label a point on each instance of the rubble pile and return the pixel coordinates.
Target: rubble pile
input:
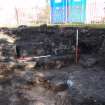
(92, 101)
(31, 56)
(90, 40)
(44, 44)
(50, 45)
(33, 88)
(54, 47)
(57, 45)
(7, 45)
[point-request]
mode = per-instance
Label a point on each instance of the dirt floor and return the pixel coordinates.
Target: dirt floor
(85, 86)
(55, 79)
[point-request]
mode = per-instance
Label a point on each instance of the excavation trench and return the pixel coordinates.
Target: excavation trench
(39, 68)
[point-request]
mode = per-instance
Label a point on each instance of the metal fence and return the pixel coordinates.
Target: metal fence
(23, 16)
(33, 16)
(78, 11)
(30, 16)
(95, 14)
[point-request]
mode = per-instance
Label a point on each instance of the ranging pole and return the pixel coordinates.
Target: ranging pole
(77, 33)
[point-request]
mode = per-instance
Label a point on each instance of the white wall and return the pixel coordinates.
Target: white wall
(95, 10)
(7, 17)
(28, 7)
(22, 3)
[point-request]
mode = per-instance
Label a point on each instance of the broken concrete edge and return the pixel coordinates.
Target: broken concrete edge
(7, 38)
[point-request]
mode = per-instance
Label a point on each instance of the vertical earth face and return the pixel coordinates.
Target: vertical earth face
(45, 72)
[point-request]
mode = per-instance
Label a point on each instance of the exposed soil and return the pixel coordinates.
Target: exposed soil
(52, 77)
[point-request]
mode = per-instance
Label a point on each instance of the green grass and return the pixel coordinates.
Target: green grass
(81, 25)
(84, 25)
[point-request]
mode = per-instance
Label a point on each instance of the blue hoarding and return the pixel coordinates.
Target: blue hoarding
(76, 10)
(58, 11)
(58, 3)
(58, 15)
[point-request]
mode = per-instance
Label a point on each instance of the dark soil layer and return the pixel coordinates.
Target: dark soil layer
(57, 42)
(56, 79)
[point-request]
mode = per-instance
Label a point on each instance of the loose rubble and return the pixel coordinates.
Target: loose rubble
(37, 66)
